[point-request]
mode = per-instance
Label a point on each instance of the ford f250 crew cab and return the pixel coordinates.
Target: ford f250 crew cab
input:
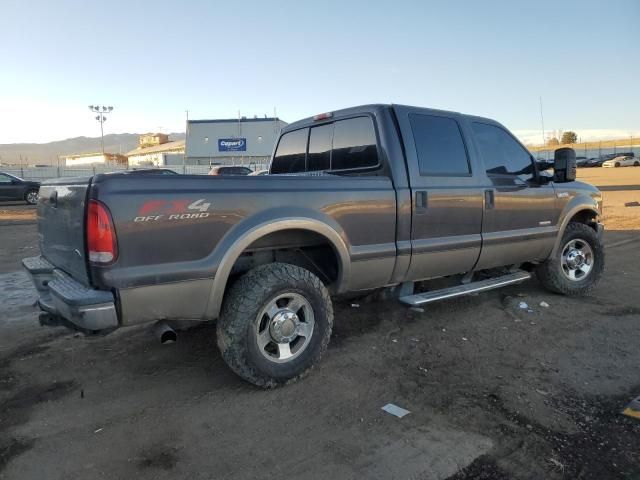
(358, 199)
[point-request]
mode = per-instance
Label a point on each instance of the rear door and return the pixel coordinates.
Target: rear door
(447, 193)
(520, 220)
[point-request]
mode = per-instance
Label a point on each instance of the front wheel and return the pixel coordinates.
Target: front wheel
(275, 324)
(577, 266)
(617, 164)
(636, 164)
(31, 197)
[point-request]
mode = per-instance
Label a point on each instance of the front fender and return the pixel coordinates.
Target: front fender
(579, 203)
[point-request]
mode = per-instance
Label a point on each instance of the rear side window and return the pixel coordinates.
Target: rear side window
(439, 145)
(501, 154)
(291, 152)
(354, 144)
(320, 139)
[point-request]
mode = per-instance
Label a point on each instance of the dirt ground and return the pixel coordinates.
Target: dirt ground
(495, 391)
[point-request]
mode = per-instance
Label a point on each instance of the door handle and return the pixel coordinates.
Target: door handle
(489, 199)
(421, 200)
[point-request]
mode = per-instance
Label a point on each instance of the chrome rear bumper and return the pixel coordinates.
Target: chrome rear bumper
(68, 300)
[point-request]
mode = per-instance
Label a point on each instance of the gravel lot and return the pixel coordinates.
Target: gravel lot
(494, 391)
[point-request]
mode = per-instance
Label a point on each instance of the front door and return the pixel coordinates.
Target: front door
(520, 221)
(447, 194)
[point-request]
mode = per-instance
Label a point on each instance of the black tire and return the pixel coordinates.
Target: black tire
(551, 274)
(617, 164)
(636, 164)
(238, 327)
(29, 197)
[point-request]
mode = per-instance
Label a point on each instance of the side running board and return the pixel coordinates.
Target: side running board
(459, 290)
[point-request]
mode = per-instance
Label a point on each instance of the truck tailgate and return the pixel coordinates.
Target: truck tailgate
(61, 216)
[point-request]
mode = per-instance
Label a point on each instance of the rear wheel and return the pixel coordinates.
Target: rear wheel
(275, 324)
(636, 164)
(617, 164)
(31, 197)
(578, 264)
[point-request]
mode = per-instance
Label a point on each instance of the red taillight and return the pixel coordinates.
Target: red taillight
(101, 237)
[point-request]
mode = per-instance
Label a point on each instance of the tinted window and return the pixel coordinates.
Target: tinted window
(319, 156)
(290, 154)
(502, 155)
(5, 178)
(354, 144)
(439, 145)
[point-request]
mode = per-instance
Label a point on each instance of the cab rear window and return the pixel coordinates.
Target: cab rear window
(342, 145)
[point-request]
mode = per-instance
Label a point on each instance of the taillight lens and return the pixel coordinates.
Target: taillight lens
(101, 237)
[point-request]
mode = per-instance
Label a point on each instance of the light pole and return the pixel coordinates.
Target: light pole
(101, 118)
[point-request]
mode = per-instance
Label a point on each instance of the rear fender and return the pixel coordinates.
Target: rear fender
(256, 232)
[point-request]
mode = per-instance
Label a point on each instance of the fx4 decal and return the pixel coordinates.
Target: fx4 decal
(179, 209)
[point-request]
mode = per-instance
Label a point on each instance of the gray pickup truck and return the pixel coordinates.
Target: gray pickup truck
(358, 199)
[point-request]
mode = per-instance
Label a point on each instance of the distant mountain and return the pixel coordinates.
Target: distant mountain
(47, 153)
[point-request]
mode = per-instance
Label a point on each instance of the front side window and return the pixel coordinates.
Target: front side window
(503, 157)
(354, 144)
(439, 145)
(5, 178)
(291, 152)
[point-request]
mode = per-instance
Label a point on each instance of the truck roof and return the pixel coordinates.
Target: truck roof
(372, 108)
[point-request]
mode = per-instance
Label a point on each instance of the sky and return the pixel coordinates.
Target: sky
(154, 60)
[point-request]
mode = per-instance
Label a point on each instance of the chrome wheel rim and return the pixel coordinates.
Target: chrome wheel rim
(577, 260)
(284, 327)
(32, 197)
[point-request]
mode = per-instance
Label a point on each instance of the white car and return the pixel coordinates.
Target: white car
(622, 162)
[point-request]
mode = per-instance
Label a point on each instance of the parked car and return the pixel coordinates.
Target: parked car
(622, 161)
(581, 162)
(15, 188)
(407, 194)
(230, 170)
(152, 171)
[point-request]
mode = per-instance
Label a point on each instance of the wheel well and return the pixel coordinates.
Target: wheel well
(588, 217)
(303, 248)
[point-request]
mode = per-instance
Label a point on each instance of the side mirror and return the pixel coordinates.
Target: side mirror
(564, 165)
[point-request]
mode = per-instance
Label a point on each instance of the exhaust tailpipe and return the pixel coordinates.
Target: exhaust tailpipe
(165, 333)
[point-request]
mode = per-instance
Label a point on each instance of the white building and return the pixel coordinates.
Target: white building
(93, 159)
(239, 141)
(168, 153)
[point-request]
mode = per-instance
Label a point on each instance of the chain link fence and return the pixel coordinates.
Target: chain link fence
(44, 173)
(589, 151)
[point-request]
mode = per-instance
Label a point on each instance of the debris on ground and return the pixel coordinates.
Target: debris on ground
(98, 430)
(633, 409)
(422, 369)
(394, 340)
(465, 339)
(632, 204)
(523, 305)
(395, 410)
(355, 305)
(542, 392)
(544, 304)
(557, 464)
(414, 339)
(417, 309)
